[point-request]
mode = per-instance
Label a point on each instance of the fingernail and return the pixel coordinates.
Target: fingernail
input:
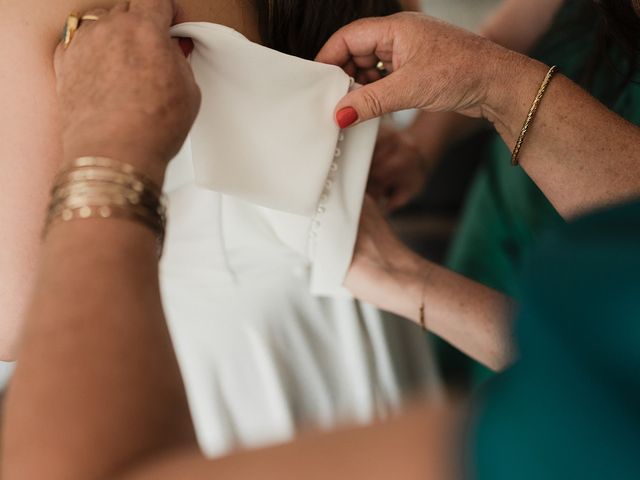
(346, 117)
(186, 44)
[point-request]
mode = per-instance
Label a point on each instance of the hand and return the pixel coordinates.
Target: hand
(399, 170)
(125, 88)
(434, 66)
(384, 272)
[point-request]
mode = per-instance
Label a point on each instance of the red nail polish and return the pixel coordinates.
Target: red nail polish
(186, 44)
(346, 117)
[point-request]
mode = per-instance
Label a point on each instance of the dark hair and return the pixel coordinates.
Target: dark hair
(622, 21)
(301, 27)
(619, 25)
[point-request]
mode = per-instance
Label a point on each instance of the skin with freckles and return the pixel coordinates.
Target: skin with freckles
(97, 392)
(404, 159)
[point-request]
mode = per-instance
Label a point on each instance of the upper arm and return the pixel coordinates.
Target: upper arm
(30, 152)
(519, 24)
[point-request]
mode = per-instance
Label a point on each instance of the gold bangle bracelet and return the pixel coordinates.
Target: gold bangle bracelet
(515, 157)
(90, 175)
(83, 165)
(96, 187)
(113, 194)
(109, 212)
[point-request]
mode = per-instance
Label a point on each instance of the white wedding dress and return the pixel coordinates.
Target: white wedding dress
(264, 201)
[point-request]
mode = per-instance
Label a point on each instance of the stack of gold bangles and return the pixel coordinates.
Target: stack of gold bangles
(97, 187)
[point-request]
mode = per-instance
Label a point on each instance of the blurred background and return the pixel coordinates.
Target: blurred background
(428, 225)
(466, 13)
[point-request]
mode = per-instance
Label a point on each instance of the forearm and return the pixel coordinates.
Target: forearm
(471, 316)
(423, 442)
(580, 154)
(517, 25)
(474, 318)
(97, 386)
(97, 393)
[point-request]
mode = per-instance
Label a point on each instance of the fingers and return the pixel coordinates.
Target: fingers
(362, 40)
(373, 100)
(161, 12)
(186, 45)
(86, 24)
(373, 213)
(398, 200)
(83, 26)
(358, 47)
(386, 145)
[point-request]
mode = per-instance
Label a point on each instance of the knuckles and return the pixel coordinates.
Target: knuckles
(372, 102)
(134, 51)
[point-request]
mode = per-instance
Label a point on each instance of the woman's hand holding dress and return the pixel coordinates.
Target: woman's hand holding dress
(94, 90)
(569, 150)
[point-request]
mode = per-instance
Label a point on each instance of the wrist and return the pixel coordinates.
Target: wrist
(507, 107)
(409, 279)
(151, 164)
(92, 187)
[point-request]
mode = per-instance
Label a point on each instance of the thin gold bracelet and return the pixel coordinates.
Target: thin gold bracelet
(515, 158)
(423, 304)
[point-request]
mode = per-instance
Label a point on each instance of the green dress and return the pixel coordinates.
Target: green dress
(505, 213)
(570, 407)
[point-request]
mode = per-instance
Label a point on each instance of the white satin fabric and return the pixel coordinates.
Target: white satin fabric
(264, 201)
(266, 134)
(6, 369)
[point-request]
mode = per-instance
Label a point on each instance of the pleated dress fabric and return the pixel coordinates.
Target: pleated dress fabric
(264, 203)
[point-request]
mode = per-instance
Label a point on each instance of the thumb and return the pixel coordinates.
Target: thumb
(371, 101)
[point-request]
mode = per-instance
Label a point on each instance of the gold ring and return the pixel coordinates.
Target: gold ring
(381, 68)
(70, 28)
(72, 25)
